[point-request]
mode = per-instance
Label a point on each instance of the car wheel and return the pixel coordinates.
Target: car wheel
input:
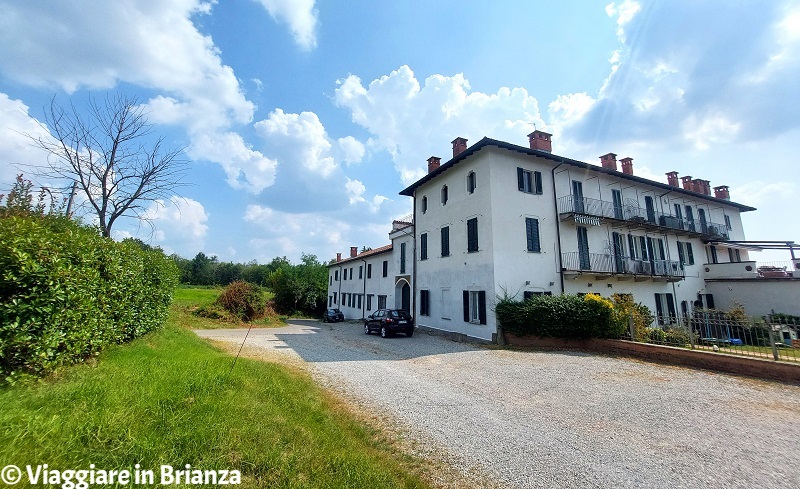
(384, 332)
(410, 332)
(366, 329)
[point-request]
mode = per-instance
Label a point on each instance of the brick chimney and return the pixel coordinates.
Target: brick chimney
(459, 145)
(687, 182)
(722, 192)
(627, 165)
(353, 251)
(609, 161)
(433, 163)
(541, 140)
(338, 257)
(672, 178)
(701, 186)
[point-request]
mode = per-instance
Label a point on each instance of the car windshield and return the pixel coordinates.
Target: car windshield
(400, 314)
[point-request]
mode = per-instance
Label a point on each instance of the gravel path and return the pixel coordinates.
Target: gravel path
(557, 419)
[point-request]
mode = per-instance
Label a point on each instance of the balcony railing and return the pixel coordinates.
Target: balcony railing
(620, 265)
(633, 214)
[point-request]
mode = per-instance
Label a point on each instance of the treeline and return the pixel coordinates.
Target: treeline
(297, 288)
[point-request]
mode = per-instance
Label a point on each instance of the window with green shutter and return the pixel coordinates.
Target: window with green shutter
(472, 235)
(532, 234)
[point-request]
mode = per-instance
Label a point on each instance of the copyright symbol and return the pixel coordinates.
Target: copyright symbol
(11, 474)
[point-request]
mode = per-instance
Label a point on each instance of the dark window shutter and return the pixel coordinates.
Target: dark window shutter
(631, 247)
(659, 309)
(710, 301)
(671, 305)
(482, 306)
(532, 233)
(527, 294)
(472, 234)
(446, 241)
(423, 245)
(689, 253)
(520, 179)
(466, 306)
(538, 182)
(681, 253)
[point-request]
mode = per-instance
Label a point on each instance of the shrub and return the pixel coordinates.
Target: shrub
(66, 292)
(244, 300)
(656, 335)
(560, 316)
(676, 336)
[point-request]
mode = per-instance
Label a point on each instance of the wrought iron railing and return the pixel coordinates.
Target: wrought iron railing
(572, 204)
(620, 264)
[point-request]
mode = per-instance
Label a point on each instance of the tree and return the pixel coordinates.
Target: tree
(112, 157)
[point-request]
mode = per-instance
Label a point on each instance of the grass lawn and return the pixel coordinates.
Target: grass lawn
(170, 398)
(188, 298)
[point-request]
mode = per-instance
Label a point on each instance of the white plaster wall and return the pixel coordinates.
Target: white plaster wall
(758, 296)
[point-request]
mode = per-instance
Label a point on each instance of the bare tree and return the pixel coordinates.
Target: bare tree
(112, 157)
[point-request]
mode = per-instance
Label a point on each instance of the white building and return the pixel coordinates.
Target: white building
(500, 219)
(374, 279)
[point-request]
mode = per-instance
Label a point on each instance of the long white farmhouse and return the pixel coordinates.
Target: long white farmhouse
(503, 219)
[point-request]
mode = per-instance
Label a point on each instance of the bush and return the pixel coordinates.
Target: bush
(66, 292)
(244, 300)
(676, 336)
(560, 316)
(656, 335)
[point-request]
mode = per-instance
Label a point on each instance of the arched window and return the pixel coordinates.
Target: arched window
(471, 182)
(444, 195)
(424, 204)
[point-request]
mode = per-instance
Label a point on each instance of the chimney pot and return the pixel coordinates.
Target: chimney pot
(627, 165)
(541, 140)
(459, 145)
(353, 251)
(433, 163)
(338, 257)
(609, 161)
(687, 182)
(701, 186)
(672, 178)
(722, 192)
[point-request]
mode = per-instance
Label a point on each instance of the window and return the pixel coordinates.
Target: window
(330, 300)
(334, 298)
(529, 181)
(336, 275)
(385, 268)
(424, 204)
(472, 234)
(650, 208)
(369, 270)
(735, 256)
(444, 195)
(351, 273)
(475, 306)
(381, 302)
(665, 308)
(616, 197)
(713, 250)
(359, 300)
(423, 246)
(330, 282)
(369, 302)
(424, 303)
(445, 304)
(402, 258)
(360, 272)
(344, 275)
(471, 182)
(690, 218)
(681, 254)
(701, 214)
(679, 213)
(583, 249)
(446, 241)
(532, 234)
(727, 221)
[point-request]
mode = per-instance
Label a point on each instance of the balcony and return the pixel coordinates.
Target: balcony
(750, 270)
(590, 211)
(623, 267)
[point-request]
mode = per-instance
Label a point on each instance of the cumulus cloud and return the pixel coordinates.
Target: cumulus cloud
(353, 149)
(413, 121)
(150, 44)
(181, 222)
(15, 147)
(299, 15)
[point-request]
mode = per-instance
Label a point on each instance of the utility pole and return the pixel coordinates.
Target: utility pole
(71, 197)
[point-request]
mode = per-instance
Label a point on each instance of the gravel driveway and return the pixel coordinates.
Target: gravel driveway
(557, 419)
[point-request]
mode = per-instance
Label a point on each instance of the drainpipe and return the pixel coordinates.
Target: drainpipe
(558, 228)
(364, 294)
(414, 262)
(339, 300)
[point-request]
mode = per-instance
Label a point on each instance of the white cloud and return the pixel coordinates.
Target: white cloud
(413, 122)
(757, 193)
(15, 147)
(300, 15)
(178, 222)
(710, 131)
(298, 138)
(246, 168)
(355, 192)
(353, 149)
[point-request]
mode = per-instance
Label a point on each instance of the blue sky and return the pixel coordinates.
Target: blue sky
(303, 120)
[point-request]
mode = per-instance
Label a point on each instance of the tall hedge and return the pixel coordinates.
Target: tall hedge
(560, 316)
(66, 293)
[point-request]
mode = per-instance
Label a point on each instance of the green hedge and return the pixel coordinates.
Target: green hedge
(560, 316)
(66, 293)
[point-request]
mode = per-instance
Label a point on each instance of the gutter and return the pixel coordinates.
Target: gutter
(558, 227)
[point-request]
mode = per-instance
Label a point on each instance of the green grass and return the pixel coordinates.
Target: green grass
(188, 298)
(168, 398)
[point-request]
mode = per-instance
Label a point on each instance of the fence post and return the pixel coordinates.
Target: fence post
(632, 327)
(772, 338)
(688, 324)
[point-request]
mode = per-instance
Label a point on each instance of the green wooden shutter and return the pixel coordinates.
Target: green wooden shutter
(520, 179)
(482, 306)
(537, 176)
(466, 306)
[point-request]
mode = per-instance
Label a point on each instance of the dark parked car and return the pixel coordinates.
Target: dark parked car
(389, 322)
(332, 316)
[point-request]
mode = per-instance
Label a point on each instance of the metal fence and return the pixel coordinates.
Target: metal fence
(772, 337)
